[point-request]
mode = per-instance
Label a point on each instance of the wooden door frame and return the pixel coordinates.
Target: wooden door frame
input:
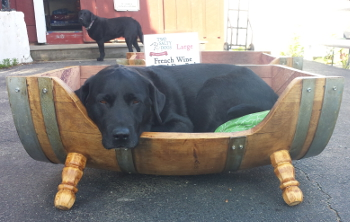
(40, 23)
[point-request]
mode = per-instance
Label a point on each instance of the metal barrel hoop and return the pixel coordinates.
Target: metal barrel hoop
(235, 153)
(22, 116)
(49, 115)
(330, 109)
(125, 160)
(304, 117)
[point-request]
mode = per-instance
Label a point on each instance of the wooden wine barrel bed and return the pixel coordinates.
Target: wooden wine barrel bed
(53, 126)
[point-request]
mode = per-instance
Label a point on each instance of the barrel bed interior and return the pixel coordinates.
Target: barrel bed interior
(276, 76)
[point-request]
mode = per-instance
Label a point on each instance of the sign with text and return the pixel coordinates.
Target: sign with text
(171, 49)
(127, 5)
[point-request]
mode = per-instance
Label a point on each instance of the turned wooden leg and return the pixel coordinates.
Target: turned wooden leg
(71, 175)
(285, 172)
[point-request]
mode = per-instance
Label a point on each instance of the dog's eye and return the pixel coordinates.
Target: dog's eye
(103, 101)
(135, 101)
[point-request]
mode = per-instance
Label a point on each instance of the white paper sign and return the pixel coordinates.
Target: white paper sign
(127, 5)
(171, 49)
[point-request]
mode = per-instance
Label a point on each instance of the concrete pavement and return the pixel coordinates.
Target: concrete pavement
(28, 187)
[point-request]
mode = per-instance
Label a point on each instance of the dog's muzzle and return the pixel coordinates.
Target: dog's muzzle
(121, 135)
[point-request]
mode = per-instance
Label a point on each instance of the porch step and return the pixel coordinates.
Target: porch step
(77, 51)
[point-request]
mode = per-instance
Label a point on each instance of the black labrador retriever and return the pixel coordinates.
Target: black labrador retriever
(102, 30)
(126, 101)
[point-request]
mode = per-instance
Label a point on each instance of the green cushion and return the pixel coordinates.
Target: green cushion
(242, 123)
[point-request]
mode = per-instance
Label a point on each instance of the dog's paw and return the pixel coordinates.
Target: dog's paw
(99, 59)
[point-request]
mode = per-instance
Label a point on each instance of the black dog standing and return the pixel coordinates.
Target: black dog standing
(102, 30)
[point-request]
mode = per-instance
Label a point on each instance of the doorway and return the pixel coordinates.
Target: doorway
(62, 22)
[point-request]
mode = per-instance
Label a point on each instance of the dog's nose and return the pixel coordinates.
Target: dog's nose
(121, 134)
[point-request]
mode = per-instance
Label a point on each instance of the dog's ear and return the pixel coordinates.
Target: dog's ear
(83, 92)
(92, 17)
(158, 102)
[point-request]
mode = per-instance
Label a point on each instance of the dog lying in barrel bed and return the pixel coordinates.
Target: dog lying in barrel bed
(126, 101)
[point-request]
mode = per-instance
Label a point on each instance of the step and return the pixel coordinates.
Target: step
(77, 51)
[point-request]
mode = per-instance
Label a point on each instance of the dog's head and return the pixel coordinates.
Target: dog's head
(86, 17)
(123, 104)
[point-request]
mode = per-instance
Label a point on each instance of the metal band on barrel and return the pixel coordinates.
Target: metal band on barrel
(235, 153)
(305, 111)
(329, 114)
(18, 97)
(49, 114)
(125, 160)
